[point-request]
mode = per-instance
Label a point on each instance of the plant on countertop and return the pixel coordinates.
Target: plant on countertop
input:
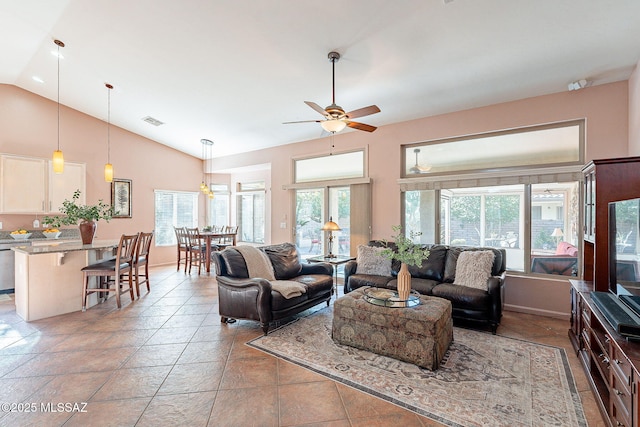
(406, 251)
(75, 213)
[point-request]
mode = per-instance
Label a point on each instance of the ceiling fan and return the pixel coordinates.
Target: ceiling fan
(335, 118)
(417, 168)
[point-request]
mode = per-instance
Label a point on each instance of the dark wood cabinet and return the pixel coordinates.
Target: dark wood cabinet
(606, 180)
(611, 362)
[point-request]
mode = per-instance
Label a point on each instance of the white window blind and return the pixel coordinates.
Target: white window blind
(174, 209)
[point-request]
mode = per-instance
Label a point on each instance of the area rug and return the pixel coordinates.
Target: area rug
(484, 380)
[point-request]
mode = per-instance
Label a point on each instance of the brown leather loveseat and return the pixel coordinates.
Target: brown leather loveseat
(244, 297)
(436, 277)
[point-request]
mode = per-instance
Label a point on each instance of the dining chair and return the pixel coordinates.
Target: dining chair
(195, 248)
(227, 241)
(111, 272)
(181, 237)
(141, 259)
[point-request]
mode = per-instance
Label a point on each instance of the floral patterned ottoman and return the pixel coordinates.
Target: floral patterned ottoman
(420, 335)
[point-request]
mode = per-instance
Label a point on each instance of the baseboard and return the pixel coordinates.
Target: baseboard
(537, 311)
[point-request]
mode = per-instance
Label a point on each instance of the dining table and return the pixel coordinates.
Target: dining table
(208, 236)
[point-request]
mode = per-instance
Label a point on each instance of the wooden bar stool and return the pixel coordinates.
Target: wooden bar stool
(141, 259)
(110, 271)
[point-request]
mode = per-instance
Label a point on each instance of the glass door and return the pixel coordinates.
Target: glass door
(340, 213)
(309, 221)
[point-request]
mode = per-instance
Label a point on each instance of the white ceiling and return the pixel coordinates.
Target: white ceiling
(232, 71)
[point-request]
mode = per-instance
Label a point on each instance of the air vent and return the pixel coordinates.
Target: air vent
(152, 121)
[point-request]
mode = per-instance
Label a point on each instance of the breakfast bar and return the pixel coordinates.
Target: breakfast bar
(49, 278)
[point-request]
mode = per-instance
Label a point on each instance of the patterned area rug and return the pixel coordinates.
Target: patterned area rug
(484, 380)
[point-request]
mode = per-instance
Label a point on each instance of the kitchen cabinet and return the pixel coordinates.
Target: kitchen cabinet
(29, 186)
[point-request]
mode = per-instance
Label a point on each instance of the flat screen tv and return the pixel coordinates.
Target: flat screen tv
(624, 251)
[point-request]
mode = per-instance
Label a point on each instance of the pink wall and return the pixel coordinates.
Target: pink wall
(29, 127)
(634, 112)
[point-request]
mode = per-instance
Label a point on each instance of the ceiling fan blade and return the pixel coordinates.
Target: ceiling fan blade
(361, 126)
(316, 107)
(361, 112)
(302, 121)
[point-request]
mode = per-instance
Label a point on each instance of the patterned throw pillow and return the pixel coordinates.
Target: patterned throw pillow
(371, 261)
(474, 268)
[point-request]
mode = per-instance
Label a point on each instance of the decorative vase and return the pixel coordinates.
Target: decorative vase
(404, 282)
(87, 231)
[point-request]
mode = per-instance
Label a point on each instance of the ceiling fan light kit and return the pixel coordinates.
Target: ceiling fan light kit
(336, 119)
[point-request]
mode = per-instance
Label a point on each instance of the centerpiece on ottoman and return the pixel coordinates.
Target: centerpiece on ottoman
(409, 254)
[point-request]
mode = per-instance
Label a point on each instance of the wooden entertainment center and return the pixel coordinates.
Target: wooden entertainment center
(611, 362)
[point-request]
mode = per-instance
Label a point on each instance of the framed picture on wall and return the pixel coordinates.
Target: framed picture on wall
(121, 198)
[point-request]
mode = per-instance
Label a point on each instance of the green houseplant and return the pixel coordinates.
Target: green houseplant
(408, 253)
(85, 216)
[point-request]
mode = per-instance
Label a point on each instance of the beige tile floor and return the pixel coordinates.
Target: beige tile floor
(166, 360)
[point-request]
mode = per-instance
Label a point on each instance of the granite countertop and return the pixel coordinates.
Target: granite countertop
(36, 235)
(66, 247)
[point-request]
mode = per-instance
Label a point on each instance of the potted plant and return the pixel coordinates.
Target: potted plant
(408, 253)
(85, 216)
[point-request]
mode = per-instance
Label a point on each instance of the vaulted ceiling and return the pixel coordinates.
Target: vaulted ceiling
(234, 71)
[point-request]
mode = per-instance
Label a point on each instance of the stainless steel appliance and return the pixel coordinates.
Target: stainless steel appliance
(7, 267)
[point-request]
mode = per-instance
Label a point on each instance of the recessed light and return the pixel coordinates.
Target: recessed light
(37, 79)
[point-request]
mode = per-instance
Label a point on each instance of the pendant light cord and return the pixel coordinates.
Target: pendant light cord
(58, 96)
(109, 87)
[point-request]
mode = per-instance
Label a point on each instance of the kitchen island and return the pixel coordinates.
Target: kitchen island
(48, 279)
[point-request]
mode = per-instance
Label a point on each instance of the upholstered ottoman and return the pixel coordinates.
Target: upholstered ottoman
(420, 335)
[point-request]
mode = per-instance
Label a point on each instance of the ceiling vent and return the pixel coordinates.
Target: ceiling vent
(152, 121)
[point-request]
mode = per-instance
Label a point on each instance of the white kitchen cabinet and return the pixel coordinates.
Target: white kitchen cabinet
(23, 184)
(29, 186)
(62, 186)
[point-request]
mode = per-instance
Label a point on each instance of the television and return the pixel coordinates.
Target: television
(624, 252)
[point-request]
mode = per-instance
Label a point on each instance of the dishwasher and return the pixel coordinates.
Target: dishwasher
(7, 265)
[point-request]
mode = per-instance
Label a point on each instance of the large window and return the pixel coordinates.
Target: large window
(517, 190)
(496, 217)
(174, 209)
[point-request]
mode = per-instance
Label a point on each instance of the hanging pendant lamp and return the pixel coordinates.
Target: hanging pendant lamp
(207, 144)
(58, 158)
(108, 168)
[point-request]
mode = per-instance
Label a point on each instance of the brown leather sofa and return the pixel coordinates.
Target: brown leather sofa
(435, 278)
(244, 297)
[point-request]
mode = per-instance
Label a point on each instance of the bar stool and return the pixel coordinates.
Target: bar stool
(141, 259)
(110, 271)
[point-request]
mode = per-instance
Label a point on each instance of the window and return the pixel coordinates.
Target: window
(174, 209)
(251, 213)
(524, 198)
(333, 166)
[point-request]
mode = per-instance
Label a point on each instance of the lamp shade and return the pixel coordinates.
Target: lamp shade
(108, 172)
(330, 226)
(557, 232)
(58, 162)
(333, 126)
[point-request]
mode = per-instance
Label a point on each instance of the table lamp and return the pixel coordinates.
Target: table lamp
(557, 233)
(330, 226)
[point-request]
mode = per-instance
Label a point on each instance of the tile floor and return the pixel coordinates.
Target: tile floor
(166, 360)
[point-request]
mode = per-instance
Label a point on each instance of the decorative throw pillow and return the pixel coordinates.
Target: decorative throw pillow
(474, 268)
(371, 261)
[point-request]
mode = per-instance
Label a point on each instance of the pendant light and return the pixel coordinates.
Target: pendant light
(207, 144)
(108, 168)
(203, 186)
(58, 158)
